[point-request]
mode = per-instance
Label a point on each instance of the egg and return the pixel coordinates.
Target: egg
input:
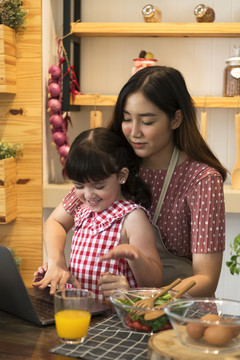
(235, 329)
(195, 331)
(211, 317)
(218, 335)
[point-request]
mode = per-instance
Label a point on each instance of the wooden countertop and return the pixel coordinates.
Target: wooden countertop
(21, 340)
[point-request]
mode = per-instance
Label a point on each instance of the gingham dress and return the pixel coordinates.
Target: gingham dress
(96, 233)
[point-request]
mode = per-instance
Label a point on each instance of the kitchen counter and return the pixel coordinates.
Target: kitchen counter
(21, 340)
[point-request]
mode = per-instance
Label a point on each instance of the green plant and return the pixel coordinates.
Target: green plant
(8, 150)
(234, 262)
(12, 15)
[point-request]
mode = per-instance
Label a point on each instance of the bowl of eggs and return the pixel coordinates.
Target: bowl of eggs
(208, 325)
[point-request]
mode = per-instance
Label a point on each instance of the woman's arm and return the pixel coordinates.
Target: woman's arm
(206, 272)
(139, 249)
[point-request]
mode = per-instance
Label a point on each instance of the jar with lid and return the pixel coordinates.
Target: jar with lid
(231, 86)
(204, 13)
(151, 14)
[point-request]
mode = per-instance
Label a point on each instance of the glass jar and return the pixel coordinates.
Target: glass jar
(151, 14)
(204, 13)
(231, 86)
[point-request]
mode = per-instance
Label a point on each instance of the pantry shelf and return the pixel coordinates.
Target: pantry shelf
(86, 29)
(110, 100)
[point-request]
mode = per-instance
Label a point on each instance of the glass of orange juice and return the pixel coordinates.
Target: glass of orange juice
(72, 308)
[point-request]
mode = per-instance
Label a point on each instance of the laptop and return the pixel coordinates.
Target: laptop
(30, 304)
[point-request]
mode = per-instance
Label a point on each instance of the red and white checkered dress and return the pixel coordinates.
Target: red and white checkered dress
(96, 233)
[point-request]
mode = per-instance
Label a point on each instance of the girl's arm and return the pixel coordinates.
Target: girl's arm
(54, 234)
(139, 249)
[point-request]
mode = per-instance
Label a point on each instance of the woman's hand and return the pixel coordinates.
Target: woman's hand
(55, 276)
(111, 283)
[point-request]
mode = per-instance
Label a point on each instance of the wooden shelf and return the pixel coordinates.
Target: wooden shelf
(85, 29)
(110, 100)
(54, 193)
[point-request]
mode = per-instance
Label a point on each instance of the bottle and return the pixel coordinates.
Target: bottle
(151, 14)
(231, 86)
(204, 13)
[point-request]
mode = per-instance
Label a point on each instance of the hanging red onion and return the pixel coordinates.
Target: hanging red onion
(59, 138)
(55, 72)
(54, 90)
(64, 150)
(56, 121)
(54, 106)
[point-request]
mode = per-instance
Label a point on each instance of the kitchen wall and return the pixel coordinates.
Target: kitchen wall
(106, 65)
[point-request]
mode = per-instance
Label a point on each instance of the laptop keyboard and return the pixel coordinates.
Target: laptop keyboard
(43, 308)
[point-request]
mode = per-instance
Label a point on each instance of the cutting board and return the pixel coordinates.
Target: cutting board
(165, 346)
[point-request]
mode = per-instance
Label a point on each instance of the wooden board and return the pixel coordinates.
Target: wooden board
(156, 29)
(166, 346)
(7, 59)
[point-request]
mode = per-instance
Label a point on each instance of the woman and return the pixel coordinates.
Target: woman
(156, 118)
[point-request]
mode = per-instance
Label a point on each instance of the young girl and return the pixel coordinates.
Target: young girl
(103, 175)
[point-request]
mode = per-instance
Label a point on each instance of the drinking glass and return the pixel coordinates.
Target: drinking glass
(72, 308)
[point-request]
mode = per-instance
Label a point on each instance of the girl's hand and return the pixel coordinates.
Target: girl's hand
(111, 283)
(40, 273)
(55, 276)
(125, 251)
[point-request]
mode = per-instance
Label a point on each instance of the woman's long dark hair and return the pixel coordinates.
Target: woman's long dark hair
(166, 88)
(98, 153)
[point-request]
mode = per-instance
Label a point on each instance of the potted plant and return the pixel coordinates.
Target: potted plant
(234, 262)
(9, 153)
(12, 19)
(12, 14)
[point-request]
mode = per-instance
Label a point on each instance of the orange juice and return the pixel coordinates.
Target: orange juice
(72, 324)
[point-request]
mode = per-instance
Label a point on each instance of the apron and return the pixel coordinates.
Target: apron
(173, 266)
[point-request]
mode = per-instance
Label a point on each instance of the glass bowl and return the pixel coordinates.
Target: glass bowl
(123, 302)
(208, 325)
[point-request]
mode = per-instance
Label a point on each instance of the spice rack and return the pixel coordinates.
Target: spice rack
(84, 29)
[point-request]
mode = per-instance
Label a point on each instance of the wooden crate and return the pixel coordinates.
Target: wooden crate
(8, 191)
(7, 60)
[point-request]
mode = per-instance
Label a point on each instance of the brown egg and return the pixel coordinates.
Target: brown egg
(218, 335)
(211, 317)
(235, 329)
(195, 331)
